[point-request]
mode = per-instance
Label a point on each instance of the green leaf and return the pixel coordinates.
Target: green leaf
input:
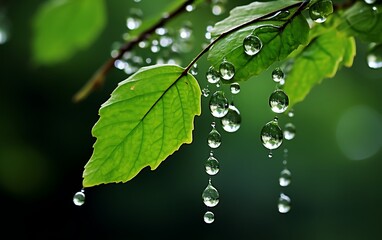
(62, 27)
(147, 118)
(279, 39)
(320, 59)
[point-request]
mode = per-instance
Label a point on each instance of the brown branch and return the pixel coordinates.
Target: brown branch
(97, 80)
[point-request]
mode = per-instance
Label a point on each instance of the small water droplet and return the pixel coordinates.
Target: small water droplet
(291, 113)
(270, 154)
(278, 75)
(212, 166)
(285, 177)
(284, 203)
(79, 198)
(206, 92)
(289, 131)
(212, 75)
(134, 20)
(190, 8)
(185, 32)
(210, 195)
(271, 135)
(252, 45)
(235, 88)
(218, 7)
(232, 120)
(209, 217)
(227, 70)
(214, 139)
(278, 101)
(320, 10)
(218, 104)
(374, 56)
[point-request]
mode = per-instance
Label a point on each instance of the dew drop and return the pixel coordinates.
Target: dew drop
(232, 120)
(79, 198)
(209, 217)
(219, 104)
(210, 195)
(319, 11)
(271, 135)
(134, 20)
(278, 101)
(278, 75)
(227, 70)
(374, 57)
(212, 75)
(284, 203)
(206, 92)
(235, 88)
(214, 138)
(289, 131)
(285, 177)
(212, 166)
(252, 45)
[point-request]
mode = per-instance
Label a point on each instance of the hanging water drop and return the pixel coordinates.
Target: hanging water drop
(218, 104)
(79, 198)
(285, 177)
(232, 120)
(212, 166)
(374, 56)
(289, 131)
(210, 195)
(271, 135)
(227, 70)
(212, 75)
(278, 75)
(278, 101)
(214, 138)
(284, 203)
(235, 88)
(319, 11)
(206, 92)
(252, 45)
(209, 217)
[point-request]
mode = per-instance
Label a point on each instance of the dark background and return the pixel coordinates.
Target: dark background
(45, 141)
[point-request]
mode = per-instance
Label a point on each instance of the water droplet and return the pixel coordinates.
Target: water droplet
(374, 56)
(370, 1)
(214, 139)
(194, 69)
(79, 198)
(185, 32)
(252, 45)
(206, 92)
(291, 113)
(319, 11)
(212, 166)
(219, 104)
(134, 20)
(209, 217)
(271, 135)
(285, 177)
(232, 120)
(284, 203)
(212, 75)
(278, 75)
(218, 7)
(190, 8)
(270, 154)
(210, 195)
(235, 88)
(227, 70)
(289, 131)
(278, 101)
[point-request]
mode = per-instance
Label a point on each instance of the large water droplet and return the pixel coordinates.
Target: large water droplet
(212, 75)
(289, 131)
(279, 101)
(370, 1)
(210, 195)
(284, 203)
(278, 75)
(209, 217)
(219, 104)
(232, 120)
(271, 135)
(134, 20)
(285, 177)
(374, 57)
(214, 139)
(235, 88)
(79, 198)
(319, 11)
(227, 70)
(252, 45)
(212, 166)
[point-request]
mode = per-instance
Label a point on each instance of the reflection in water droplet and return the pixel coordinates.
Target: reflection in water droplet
(218, 104)
(232, 120)
(212, 75)
(289, 131)
(212, 166)
(278, 75)
(210, 195)
(227, 70)
(235, 88)
(271, 135)
(252, 45)
(79, 198)
(284, 203)
(134, 20)
(278, 101)
(320, 10)
(214, 139)
(209, 217)
(206, 92)
(374, 56)
(285, 177)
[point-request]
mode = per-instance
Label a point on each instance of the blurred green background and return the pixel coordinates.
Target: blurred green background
(335, 158)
